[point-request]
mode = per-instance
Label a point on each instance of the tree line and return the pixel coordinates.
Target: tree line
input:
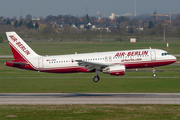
(29, 25)
(61, 26)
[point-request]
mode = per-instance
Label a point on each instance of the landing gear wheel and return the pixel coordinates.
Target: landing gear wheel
(154, 75)
(96, 79)
(153, 70)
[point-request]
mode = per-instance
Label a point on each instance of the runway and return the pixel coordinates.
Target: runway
(6, 56)
(89, 98)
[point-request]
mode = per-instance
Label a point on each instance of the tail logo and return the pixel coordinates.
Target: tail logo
(13, 38)
(20, 45)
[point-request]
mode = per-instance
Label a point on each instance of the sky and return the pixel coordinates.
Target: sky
(43, 8)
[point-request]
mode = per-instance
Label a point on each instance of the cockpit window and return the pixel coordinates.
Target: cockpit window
(163, 54)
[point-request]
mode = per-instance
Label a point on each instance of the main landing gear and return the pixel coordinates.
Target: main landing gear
(153, 70)
(96, 78)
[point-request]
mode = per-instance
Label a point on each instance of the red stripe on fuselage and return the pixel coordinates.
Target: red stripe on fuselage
(129, 65)
(144, 64)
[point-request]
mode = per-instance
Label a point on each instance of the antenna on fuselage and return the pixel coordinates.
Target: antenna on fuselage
(149, 47)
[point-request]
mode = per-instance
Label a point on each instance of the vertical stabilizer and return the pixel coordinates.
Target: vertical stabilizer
(19, 48)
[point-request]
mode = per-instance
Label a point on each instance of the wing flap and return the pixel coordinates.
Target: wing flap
(91, 65)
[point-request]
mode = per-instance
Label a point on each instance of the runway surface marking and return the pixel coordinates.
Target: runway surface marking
(89, 98)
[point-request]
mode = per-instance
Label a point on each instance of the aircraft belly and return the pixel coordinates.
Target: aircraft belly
(59, 68)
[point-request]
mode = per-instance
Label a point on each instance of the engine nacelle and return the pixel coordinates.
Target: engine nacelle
(115, 70)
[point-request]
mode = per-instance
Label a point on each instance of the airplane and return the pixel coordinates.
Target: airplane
(113, 62)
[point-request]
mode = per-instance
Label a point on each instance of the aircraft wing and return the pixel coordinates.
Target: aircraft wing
(91, 65)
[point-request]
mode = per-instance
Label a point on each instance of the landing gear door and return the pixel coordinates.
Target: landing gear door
(153, 55)
(40, 63)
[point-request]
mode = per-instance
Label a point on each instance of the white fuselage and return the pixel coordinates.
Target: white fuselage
(129, 58)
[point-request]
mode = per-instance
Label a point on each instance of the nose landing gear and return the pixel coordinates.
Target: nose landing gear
(153, 70)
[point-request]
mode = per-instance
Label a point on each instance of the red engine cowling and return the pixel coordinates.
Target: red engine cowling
(115, 70)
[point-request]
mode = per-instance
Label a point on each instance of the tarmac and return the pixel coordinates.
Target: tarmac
(89, 98)
(6, 56)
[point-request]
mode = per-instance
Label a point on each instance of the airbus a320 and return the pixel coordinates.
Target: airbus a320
(113, 63)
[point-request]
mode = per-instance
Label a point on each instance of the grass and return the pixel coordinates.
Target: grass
(13, 80)
(57, 48)
(90, 112)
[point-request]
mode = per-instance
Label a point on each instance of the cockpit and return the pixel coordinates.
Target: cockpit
(163, 54)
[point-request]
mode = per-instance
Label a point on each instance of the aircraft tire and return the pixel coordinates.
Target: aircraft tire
(154, 75)
(96, 79)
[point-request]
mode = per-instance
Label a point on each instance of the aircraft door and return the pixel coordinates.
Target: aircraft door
(153, 55)
(40, 63)
(108, 59)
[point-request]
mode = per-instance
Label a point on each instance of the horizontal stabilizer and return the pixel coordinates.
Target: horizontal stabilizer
(18, 62)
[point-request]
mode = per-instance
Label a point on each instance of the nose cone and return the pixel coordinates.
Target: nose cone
(173, 58)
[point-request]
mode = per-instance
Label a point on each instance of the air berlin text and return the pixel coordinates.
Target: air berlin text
(20, 45)
(133, 53)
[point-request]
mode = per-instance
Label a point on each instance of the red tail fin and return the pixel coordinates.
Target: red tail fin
(16, 55)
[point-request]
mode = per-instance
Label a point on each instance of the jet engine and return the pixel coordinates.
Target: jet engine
(115, 70)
